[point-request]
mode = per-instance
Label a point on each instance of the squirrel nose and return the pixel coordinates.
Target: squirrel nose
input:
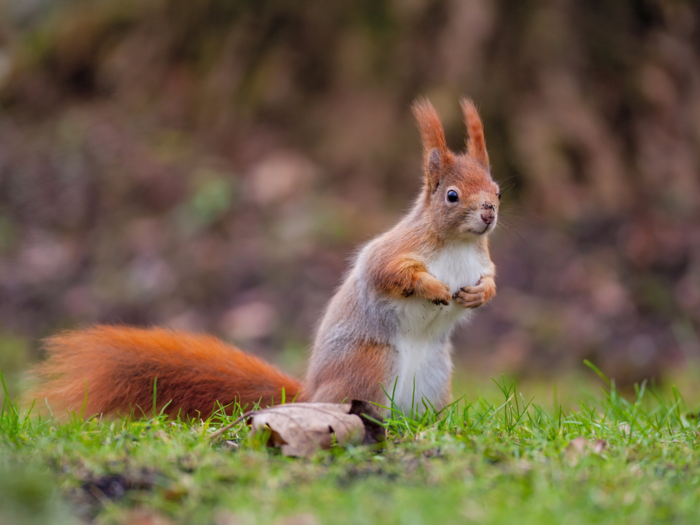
(488, 216)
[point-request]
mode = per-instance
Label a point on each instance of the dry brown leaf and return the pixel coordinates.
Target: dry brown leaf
(299, 429)
(145, 517)
(298, 519)
(581, 446)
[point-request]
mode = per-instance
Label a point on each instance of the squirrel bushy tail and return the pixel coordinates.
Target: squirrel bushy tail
(112, 369)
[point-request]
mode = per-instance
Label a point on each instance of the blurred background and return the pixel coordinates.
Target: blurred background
(213, 165)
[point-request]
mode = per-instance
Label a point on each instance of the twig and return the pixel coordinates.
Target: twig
(219, 432)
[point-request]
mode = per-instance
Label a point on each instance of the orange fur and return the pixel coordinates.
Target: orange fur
(475, 296)
(476, 143)
(433, 137)
(115, 366)
(431, 131)
(406, 276)
(489, 288)
(361, 372)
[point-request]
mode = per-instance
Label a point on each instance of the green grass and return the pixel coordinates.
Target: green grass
(477, 461)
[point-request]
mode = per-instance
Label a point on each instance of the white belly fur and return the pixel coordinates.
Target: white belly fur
(424, 363)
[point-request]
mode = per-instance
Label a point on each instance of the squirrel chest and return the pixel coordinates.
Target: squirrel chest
(424, 364)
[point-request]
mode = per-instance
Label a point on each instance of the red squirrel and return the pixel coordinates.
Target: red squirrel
(386, 330)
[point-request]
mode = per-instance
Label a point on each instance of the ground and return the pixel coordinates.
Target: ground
(611, 460)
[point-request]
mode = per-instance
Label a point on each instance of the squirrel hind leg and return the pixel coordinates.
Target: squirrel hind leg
(359, 373)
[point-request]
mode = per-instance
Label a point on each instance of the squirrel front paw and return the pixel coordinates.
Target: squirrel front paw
(477, 295)
(434, 290)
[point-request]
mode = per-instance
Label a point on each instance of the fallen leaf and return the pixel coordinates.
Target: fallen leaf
(145, 517)
(299, 429)
(625, 428)
(298, 519)
(599, 445)
(581, 446)
(224, 517)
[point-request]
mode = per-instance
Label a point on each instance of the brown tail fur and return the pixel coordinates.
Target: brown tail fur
(116, 366)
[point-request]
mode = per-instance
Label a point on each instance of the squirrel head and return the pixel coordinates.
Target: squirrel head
(461, 197)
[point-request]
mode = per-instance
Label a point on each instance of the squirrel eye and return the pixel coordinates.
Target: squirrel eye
(498, 195)
(452, 196)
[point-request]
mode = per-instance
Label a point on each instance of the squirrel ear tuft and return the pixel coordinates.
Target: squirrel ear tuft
(436, 154)
(476, 144)
(434, 164)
